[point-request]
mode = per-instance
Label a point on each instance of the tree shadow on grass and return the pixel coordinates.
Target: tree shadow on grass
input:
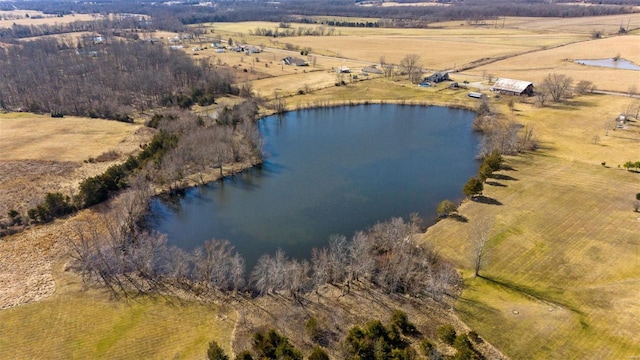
(486, 200)
(503, 177)
(495, 183)
(459, 218)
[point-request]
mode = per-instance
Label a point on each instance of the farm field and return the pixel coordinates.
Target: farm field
(41, 137)
(535, 66)
(562, 269)
(562, 272)
(439, 49)
(45, 20)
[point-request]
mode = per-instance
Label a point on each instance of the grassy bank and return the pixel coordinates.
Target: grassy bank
(563, 259)
(76, 324)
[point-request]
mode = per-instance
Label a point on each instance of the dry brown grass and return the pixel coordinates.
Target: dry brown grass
(41, 154)
(46, 20)
(535, 66)
(445, 48)
(57, 315)
(40, 137)
(564, 246)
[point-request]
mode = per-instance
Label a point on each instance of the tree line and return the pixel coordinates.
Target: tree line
(126, 258)
(104, 80)
(175, 15)
(185, 145)
(105, 26)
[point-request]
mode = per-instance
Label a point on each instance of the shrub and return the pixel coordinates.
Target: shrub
(215, 352)
(447, 334)
(313, 330)
(244, 355)
(473, 187)
(318, 354)
(400, 319)
(494, 160)
(429, 350)
(272, 345)
(474, 337)
(464, 348)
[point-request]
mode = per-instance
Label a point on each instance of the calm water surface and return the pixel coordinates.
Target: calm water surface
(611, 63)
(328, 171)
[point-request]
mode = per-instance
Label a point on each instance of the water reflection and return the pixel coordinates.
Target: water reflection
(330, 171)
(610, 63)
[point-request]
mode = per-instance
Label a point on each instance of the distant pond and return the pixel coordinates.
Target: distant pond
(610, 63)
(329, 171)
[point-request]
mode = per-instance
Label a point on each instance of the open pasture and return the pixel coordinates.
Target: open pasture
(445, 48)
(40, 137)
(563, 268)
(535, 66)
(87, 325)
(580, 25)
(42, 19)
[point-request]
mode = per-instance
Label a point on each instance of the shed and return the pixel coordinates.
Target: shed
(513, 87)
(476, 95)
(371, 70)
(294, 61)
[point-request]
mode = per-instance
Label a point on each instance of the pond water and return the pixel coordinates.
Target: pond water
(329, 171)
(610, 63)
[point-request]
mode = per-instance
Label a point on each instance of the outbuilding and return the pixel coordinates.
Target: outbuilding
(512, 87)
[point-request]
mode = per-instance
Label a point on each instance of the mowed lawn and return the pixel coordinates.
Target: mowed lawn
(562, 273)
(86, 325)
(40, 137)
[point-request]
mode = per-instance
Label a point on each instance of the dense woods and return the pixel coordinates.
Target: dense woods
(104, 80)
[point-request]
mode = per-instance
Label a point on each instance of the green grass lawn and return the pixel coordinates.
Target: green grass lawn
(87, 325)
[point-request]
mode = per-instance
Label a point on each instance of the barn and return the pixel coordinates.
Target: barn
(513, 87)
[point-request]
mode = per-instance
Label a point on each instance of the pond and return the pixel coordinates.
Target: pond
(610, 63)
(329, 171)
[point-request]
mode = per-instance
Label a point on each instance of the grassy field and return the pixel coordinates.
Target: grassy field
(45, 20)
(563, 265)
(562, 277)
(445, 48)
(535, 66)
(74, 324)
(41, 137)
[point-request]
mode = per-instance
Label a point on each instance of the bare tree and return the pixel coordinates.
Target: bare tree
(542, 95)
(361, 257)
(584, 87)
(387, 70)
(479, 236)
(410, 66)
(557, 85)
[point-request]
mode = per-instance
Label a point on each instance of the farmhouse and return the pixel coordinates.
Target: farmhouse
(294, 61)
(437, 77)
(513, 87)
